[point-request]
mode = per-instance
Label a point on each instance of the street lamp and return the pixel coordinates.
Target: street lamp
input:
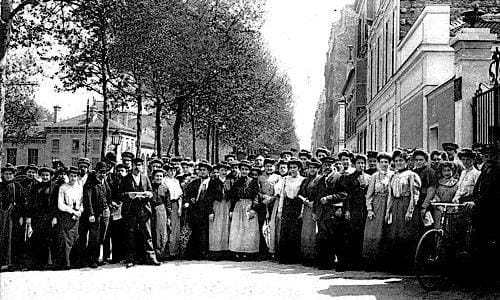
(116, 139)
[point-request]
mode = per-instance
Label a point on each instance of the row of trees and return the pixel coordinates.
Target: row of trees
(202, 63)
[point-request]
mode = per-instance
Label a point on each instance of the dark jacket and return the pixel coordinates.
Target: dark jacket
(43, 200)
(96, 196)
(12, 193)
(203, 207)
(137, 204)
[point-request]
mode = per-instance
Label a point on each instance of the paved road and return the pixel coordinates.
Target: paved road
(216, 280)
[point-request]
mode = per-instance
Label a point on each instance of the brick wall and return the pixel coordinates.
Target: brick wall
(411, 9)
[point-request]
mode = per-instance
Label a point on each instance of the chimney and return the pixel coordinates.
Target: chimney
(57, 108)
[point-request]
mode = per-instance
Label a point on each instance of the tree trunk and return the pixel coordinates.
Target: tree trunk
(179, 111)
(158, 128)
(104, 75)
(138, 141)
(216, 145)
(208, 142)
(5, 33)
(193, 132)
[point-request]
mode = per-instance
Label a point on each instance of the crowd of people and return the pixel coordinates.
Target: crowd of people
(340, 211)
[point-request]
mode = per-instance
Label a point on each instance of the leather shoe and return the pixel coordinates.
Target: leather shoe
(129, 264)
(154, 262)
(93, 265)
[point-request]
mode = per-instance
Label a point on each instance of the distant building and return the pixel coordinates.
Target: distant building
(65, 141)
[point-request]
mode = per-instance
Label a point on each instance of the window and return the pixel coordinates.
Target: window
(378, 64)
(433, 137)
(74, 161)
(12, 156)
(75, 146)
(387, 47)
(387, 134)
(96, 145)
(33, 156)
(55, 145)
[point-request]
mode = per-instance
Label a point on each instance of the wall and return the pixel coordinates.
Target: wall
(441, 113)
(411, 119)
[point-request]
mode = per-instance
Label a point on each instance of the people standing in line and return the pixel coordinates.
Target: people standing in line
(346, 157)
(376, 203)
(308, 194)
(436, 158)
(42, 216)
(323, 214)
(485, 207)
(275, 223)
(161, 211)
(12, 220)
(289, 210)
(137, 211)
(219, 223)
(97, 198)
(446, 189)
(267, 183)
(70, 208)
(355, 185)
(175, 197)
(468, 177)
(451, 150)
(428, 180)
(322, 152)
(401, 216)
(127, 158)
(200, 195)
(117, 224)
(244, 234)
(372, 162)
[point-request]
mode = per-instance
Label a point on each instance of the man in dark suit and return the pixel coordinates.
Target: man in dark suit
(96, 202)
(136, 211)
(200, 195)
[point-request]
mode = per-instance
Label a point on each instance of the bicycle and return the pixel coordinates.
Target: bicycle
(434, 254)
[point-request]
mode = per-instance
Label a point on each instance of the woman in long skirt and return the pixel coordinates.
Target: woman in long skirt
(275, 222)
(289, 209)
(175, 192)
(218, 237)
(356, 185)
(401, 214)
(160, 206)
(376, 203)
(308, 194)
(244, 233)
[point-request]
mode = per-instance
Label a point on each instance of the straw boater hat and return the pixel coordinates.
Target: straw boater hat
(295, 161)
(205, 164)
(73, 170)
(345, 153)
(285, 152)
(323, 150)
(448, 145)
(84, 161)
(245, 163)
(128, 155)
(9, 167)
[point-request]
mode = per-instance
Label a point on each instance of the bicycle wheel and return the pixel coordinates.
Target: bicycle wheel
(430, 259)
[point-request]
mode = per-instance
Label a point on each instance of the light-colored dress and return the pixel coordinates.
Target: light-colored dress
(376, 201)
(218, 237)
(267, 185)
(403, 235)
(445, 191)
(175, 191)
(244, 235)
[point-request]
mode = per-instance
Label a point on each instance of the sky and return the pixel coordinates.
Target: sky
(297, 34)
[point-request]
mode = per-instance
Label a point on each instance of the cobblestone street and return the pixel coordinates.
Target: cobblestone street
(217, 280)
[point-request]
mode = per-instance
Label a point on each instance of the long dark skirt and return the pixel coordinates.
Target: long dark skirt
(373, 234)
(291, 225)
(68, 233)
(43, 240)
(402, 236)
(159, 230)
(6, 225)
